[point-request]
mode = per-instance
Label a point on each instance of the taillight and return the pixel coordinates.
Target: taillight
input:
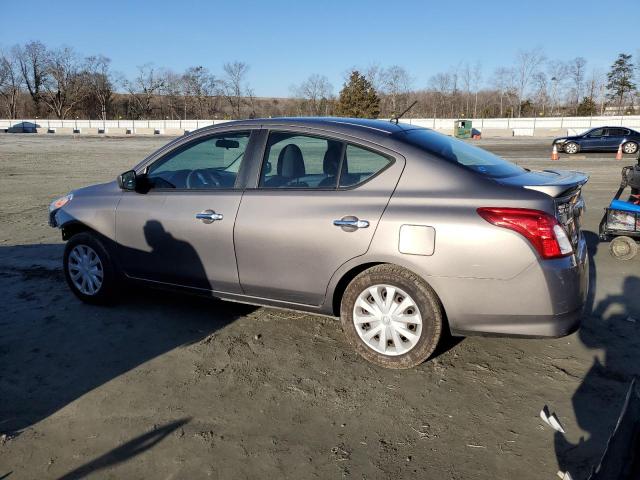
(542, 230)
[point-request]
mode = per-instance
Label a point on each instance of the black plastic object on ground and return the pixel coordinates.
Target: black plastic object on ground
(621, 458)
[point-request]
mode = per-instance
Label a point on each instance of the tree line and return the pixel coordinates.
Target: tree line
(41, 82)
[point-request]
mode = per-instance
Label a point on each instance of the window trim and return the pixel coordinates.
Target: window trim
(181, 147)
(324, 136)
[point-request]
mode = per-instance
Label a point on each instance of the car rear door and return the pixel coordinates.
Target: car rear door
(297, 227)
(178, 228)
(613, 138)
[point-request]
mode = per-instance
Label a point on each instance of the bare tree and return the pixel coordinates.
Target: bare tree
(504, 83)
(441, 85)
(541, 84)
(200, 86)
(316, 93)
(98, 81)
(10, 82)
(477, 78)
(233, 85)
(373, 73)
(32, 60)
(148, 83)
(63, 86)
(527, 63)
(396, 84)
(576, 69)
(174, 92)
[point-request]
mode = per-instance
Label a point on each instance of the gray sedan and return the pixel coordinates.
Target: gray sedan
(403, 233)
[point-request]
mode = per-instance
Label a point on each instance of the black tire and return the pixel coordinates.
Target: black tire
(425, 298)
(105, 294)
(571, 148)
(623, 248)
(630, 148)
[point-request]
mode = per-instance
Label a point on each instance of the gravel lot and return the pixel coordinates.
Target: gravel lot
(166, 386)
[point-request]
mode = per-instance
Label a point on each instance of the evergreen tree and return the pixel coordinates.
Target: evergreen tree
(358, 98)
(620, 79)
(587, 107)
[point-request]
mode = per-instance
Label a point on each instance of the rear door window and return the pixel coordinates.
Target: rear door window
(617, 132)
(294, 160)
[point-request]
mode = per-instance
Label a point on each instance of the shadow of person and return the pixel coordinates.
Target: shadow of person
(600, 396)
(125, 452)
(170, 260)
(55, 349)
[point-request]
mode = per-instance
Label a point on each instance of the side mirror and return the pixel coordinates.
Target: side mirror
(267, 168)
(127, 180)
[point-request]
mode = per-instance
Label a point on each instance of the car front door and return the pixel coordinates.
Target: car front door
(178, 227)
(317, 204)
(593, 140)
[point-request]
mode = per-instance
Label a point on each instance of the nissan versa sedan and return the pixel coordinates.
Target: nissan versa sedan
(404, 233)
(601, 139)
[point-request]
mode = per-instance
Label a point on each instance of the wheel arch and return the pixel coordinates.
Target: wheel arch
(74, 227)
(354, 271)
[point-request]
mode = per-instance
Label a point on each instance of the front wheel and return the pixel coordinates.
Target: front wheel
(630, 147)
(391, 317)
(571, 148)
(88, 269)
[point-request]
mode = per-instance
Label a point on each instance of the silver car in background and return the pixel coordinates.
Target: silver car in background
(403, 233)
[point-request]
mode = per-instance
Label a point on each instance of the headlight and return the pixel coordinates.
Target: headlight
(561, 140)
(60, 202)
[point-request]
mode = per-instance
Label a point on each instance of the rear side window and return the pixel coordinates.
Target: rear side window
(618, 132)
(293, 160)
(461, 153)
(360, 165)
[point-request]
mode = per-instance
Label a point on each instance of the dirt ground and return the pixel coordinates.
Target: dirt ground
(165, 386)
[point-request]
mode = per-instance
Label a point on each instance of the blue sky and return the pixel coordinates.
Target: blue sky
(286, 41)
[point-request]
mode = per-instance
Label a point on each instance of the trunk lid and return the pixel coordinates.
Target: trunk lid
(565, 187)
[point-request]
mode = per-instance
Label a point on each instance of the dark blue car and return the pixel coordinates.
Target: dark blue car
(600, 139)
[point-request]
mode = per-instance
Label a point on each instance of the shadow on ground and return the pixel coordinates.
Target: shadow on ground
(610, 327)
(54, 349)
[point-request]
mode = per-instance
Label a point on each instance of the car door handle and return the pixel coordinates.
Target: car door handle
(353, 223)
(209, 216)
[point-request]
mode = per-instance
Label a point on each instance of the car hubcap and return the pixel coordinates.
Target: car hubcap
(85, 269)
(571, 148)
(620, 249)
(387, 319)
(630, 148)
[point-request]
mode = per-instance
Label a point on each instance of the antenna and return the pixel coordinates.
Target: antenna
(398, 117)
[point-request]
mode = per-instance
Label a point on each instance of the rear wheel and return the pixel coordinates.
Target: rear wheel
(623, 248)
(88, 269)
(391, 317)
(630, 147)
(571, 148)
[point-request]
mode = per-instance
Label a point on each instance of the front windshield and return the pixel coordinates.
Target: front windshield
(461, 153)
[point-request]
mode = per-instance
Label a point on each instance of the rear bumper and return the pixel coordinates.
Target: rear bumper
(546, 300)
(533, 326)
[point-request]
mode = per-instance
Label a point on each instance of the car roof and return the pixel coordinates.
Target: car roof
(340, 124)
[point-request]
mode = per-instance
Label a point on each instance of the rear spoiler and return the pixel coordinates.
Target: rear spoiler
(566, 183)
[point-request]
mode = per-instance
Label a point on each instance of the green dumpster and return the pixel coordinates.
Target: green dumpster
(462, 129)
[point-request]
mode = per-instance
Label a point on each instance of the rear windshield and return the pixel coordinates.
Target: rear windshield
(462, 153)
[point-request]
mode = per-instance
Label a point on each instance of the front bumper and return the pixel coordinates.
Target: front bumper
(546, 300)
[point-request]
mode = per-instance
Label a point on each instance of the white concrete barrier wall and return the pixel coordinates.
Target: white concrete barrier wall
(571, 125)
